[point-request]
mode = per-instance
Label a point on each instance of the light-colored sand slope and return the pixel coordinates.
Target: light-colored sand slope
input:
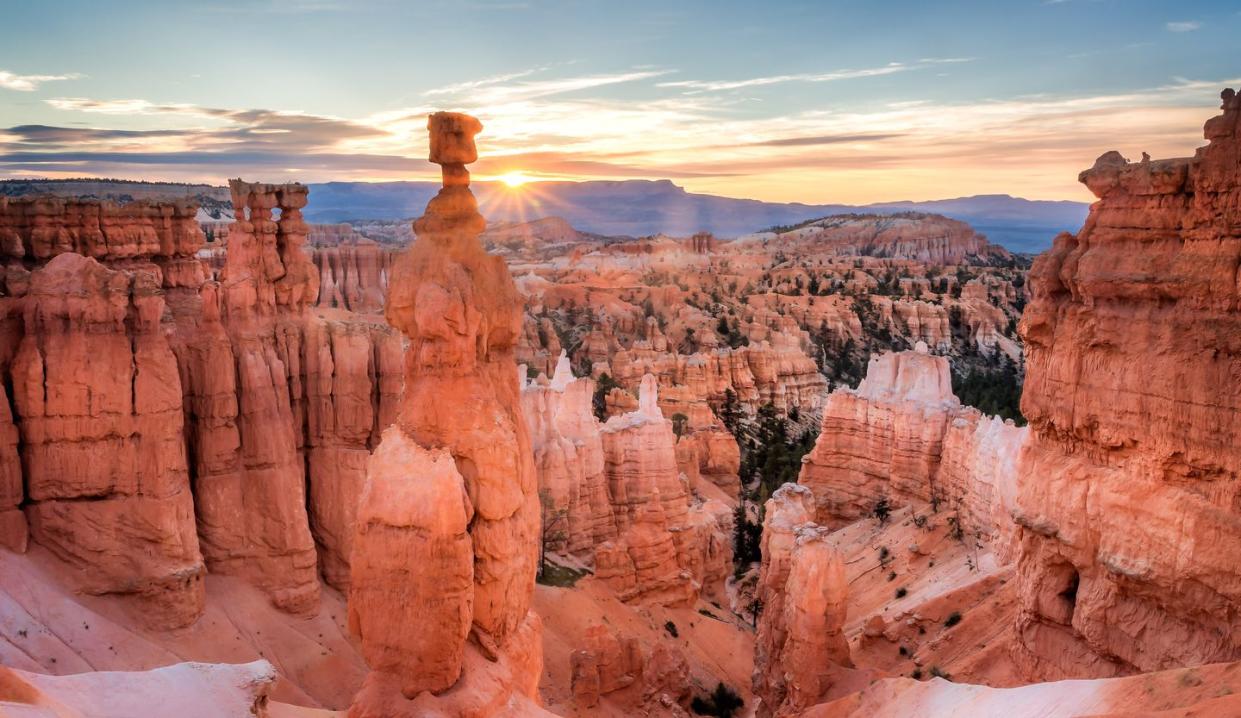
(44, 628)
(1212, 690)
(184, 690)
(938, 573)
(717, 649)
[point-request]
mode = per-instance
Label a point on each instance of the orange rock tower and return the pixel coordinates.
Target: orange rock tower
(447, 527)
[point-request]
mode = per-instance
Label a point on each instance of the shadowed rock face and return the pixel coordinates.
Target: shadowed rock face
(1130, 500)
(447, 532)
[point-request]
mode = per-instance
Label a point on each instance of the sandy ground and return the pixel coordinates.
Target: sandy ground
(718, 649)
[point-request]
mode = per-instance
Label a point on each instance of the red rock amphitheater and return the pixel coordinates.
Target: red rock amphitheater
(301, 473)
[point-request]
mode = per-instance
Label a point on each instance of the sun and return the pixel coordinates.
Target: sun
(515, 178)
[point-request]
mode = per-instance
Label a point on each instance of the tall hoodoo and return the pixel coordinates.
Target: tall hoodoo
(243, 366)
(800, 643)
(447, 530)
(1130, 498)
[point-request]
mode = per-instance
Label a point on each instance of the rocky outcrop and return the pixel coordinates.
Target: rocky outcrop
(447, 531)
(800, 643)
(762, 373)
(669, 547)
(353, 371)
(576, 505)
(608, 663)
(134, 365)
(13, 530)
(164, 232)
(615, 495)
(926, 238)
(902, 436)
(98, 394)
(1129, 503)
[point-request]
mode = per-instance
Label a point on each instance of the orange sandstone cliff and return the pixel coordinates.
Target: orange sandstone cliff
(1129, 500)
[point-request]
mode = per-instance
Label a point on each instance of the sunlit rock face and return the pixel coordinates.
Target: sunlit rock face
(902, 436)
(99, 400)
(1129, 497)
(925, 238)
(447, 531)
(669, 546)
(245, 399)
(353, 271)
(138, 373)
(615, 494)
(568, 455)
(800, 641)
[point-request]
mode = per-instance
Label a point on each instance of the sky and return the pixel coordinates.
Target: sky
(821, 102)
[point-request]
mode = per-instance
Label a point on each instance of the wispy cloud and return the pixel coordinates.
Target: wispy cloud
(1183, 26)
(470, 85)
(569, 128)
(279, 7)
(888, 69)
(29, 83)
(502, 89)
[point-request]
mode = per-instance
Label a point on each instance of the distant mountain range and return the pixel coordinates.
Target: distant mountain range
(644, 207)
(617, 208)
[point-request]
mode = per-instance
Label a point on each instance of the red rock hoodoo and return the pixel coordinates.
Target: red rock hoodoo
(447, 531)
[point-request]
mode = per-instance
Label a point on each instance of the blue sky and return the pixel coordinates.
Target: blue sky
(810, 101)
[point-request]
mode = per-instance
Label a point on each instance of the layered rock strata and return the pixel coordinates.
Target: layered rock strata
(902, 436)
(353, 275)
(98, 394)
(614, 494)
(447, 531)
(246, 401)
(568, 455)
(668, 548)
(133, 367)
(1129, 503)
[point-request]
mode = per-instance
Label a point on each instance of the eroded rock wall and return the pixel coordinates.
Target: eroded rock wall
(901, 437)
(98, 397)
(135, 366)
(1129, 505)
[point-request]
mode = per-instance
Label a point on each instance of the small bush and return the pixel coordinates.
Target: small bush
(953, 619)
(904, 651)
(937, 672)
(917, 674)
(722, 703)
(891, 575)
(882, 511)
(671, 628)
(901, 592)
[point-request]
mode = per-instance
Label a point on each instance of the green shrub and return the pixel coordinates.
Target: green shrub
(722, 703)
